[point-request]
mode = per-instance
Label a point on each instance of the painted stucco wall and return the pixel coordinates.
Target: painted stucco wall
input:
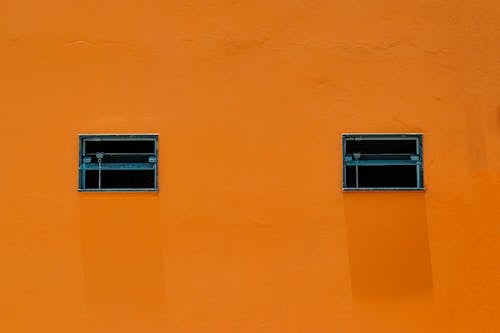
(250, 231)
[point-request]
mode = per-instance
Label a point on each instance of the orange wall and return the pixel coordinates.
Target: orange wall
(250, 231)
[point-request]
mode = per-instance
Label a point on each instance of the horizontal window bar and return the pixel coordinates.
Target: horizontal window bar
(363, 156)
(148, 189)
(118, 166)
(354, 189)
(382, 136)
(121, 154)
(382, 162)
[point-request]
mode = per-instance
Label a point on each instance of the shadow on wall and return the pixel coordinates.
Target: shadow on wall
(389, 259)
(122, 262)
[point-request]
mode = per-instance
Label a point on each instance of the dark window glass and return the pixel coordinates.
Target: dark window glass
(374, 146)
(120, 146)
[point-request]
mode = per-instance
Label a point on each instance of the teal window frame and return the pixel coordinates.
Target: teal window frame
(117, 161)
(357, 160)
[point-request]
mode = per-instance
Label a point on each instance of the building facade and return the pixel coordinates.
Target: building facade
(250, 229)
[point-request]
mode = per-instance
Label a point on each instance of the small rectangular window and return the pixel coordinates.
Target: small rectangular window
(118, 162)
(382, 162)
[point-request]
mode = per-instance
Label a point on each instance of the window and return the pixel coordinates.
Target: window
(118, 163)
(382, 162)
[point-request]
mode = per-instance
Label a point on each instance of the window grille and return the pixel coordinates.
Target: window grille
(118, 162)
(382, 162)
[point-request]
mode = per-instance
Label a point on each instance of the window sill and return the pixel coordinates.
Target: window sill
(120, 190)
(383, 189)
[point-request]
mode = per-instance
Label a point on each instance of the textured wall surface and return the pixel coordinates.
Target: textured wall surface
(250, 231)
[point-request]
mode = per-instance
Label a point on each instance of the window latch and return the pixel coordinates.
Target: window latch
(99, 156)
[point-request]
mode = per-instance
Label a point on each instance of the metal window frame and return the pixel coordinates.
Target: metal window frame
(419, 164)
(82, 167)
